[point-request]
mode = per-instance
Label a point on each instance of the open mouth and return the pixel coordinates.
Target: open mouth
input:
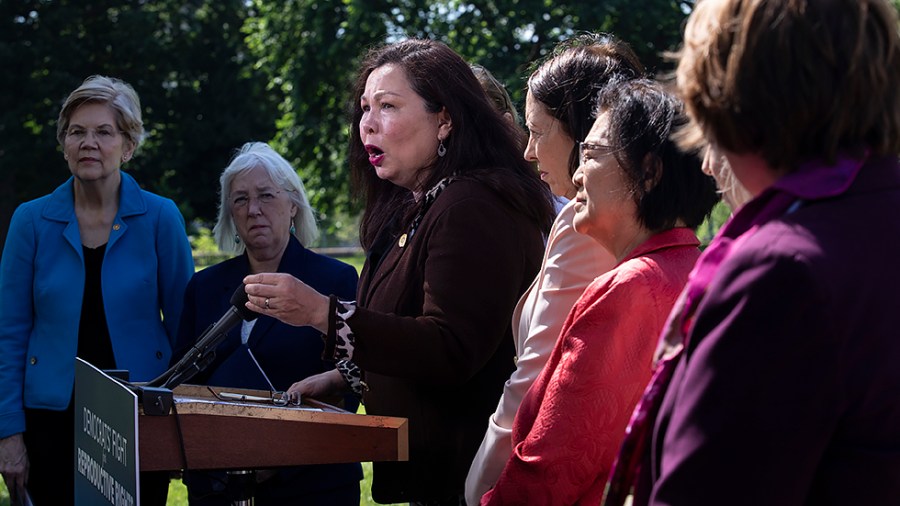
(376, 155)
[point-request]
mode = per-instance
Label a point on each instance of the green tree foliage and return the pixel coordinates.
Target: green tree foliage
(213, 74)
(309, 50)
(508, 37)
(187, 61)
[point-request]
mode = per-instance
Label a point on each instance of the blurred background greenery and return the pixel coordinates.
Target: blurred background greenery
(213, 74)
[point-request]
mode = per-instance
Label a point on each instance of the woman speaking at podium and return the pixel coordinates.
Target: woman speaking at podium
(453, 227)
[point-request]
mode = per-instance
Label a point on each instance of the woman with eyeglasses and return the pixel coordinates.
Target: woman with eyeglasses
(96, 269)
(266, 219)
(639, 197)
(559, 112)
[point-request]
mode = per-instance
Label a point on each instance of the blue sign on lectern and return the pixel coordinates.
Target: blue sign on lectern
(106, 442)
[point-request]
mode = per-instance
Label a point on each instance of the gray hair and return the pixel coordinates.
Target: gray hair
(115, 93)
(261, 155)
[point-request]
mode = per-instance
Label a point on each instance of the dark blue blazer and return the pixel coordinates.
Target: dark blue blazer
(286, 353)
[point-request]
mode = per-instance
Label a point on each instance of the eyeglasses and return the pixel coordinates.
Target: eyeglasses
(264, 198)
(102, 134)
(585, 147)
(276, 397)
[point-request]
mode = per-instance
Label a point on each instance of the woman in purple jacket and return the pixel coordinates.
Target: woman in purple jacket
(783, 351)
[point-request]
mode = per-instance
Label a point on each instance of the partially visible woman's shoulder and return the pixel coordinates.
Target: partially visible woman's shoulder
(212, 275)
(155, 201)
(32, 207)
(59, 202)
(631, 274)
(661, 273)
(37, 214)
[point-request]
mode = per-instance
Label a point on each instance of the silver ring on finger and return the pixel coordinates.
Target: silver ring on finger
(267, 303)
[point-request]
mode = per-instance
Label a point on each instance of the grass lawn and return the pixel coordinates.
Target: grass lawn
(178, 493)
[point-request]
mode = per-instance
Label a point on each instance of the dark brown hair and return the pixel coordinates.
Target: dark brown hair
(667, 184)
(567, 82)
(482, 144)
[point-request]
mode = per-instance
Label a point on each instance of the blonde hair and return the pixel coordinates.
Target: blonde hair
(115, 93)
(254, 155)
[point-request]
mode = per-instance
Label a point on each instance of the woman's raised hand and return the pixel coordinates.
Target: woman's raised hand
(288, 299)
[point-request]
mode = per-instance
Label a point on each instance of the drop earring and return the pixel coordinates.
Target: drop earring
(237, 239)
(442, 150)
(293, 229)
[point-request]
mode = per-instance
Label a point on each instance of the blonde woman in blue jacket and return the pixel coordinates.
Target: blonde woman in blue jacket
(96, 269)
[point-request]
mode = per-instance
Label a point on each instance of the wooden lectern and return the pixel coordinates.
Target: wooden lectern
(226, 434)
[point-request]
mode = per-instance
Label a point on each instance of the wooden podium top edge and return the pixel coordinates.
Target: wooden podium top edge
(200, 399)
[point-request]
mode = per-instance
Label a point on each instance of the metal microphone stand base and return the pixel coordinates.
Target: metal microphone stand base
(242, 484)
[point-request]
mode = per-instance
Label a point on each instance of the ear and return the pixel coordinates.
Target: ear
(129, 151)
(293, 210)
(445, 124)
(709, 158)
(653, 171)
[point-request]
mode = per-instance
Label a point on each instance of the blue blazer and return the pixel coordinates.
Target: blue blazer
(286, 353)
(145, 269)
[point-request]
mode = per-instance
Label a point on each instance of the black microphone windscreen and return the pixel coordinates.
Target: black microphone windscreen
(238, 300)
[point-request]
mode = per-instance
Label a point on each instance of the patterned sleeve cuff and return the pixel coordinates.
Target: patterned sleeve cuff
(352, 374)
(339, 340)
(339, 344)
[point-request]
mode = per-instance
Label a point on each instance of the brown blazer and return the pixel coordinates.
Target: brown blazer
(433, 334)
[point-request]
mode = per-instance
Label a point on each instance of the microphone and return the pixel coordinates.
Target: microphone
(203, 351)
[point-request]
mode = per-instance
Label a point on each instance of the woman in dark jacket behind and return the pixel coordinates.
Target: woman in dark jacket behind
(265, 218)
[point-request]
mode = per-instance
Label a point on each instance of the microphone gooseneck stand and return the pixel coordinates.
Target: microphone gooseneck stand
(157, 399)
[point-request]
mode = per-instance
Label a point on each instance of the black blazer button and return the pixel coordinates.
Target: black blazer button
(158, 355)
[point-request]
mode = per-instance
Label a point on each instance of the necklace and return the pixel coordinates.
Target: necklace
(429, 199)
